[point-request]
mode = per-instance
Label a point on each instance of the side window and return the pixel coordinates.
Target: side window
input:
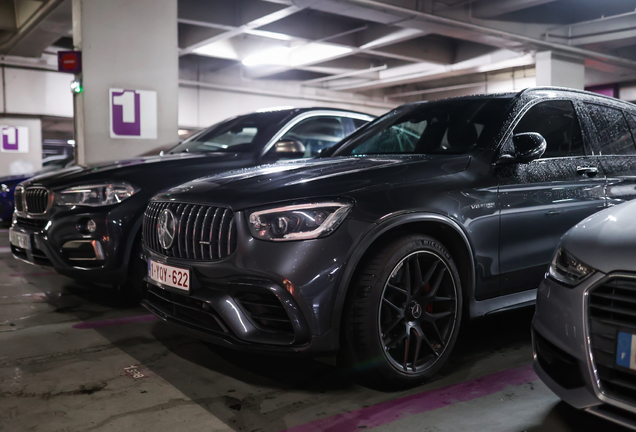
(612, 131)
(400, 138)
(358, 123)
(317, 133)
(557, 122)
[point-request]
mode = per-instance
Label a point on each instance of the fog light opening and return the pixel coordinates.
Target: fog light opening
(91, 226)
(86, 226)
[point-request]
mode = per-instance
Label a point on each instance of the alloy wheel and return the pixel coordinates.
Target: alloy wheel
(418, 312)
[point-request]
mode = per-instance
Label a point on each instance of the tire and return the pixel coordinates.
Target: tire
(398, 332)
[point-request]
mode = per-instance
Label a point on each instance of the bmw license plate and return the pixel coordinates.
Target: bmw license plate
(626, 350)
(19, 239)
(168, 275)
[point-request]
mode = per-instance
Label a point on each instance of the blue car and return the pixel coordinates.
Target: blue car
(8, 184)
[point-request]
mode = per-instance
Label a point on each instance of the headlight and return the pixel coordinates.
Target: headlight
(567, 269)
(95, 195)
(298, 222)
(4, 188)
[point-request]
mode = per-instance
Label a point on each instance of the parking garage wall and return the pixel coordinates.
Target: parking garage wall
(22, 162)
(202, 107)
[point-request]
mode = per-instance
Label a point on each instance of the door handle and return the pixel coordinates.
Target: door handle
(554, 212)
(589, 171)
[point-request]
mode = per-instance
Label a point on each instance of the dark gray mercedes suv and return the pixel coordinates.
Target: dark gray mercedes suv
(378, 247)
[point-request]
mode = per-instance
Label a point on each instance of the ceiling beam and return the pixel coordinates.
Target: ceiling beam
(495, 8)
(502, 59)
(431, 49)
(607, 29)
(231, 31)
(377, 11)
(40, 29)
(8, 16)
(370, 73)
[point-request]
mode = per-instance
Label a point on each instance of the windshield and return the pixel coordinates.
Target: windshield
(239, 134)
(55, 163)
(446, 127)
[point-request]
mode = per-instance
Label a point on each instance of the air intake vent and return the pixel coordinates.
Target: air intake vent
(32, 224)
(36, 200)
(202, 232)
(612, 307)
(265, 310)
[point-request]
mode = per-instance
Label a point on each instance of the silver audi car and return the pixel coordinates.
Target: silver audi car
(584, 328)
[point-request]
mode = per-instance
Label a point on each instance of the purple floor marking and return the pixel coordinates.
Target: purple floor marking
(390, 411)
(114, 322)
(5, 249)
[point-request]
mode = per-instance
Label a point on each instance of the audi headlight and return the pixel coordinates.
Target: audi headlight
(95, 195)
(567, 269)
(298, 222)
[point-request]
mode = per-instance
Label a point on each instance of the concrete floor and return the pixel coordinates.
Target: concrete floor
(79, 358)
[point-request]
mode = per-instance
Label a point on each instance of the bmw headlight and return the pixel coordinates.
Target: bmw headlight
(95, 195)
(567, 269)
(298, 222)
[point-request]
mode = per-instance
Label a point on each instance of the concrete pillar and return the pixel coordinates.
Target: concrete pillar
(553, 70)
(130, 68)
(20, 146)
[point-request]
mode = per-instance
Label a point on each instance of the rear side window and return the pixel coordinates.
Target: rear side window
(612, 132)
(556, 121)
(358, 123)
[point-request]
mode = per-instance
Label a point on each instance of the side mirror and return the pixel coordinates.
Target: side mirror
(289, 148)
(528, 146)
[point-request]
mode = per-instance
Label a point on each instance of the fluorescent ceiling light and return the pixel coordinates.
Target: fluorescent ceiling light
(219, 49)
(183, 132)
(297, 56)
(268, 34)
(315, 53)
(70, 142)
(277, 56)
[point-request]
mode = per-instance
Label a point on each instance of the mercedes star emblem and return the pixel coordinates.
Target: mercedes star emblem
(166, 228)
(416, 310)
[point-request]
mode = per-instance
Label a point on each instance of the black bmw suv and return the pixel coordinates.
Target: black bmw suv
(86, 222)
(433, 212)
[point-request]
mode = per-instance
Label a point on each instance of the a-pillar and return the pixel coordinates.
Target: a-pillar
(553, 70)
(130, 67)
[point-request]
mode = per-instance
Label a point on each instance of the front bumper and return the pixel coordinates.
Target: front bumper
(266, 296)
(562, 358)
(101, 256)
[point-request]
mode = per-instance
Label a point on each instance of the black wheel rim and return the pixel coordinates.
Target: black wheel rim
(418, 312)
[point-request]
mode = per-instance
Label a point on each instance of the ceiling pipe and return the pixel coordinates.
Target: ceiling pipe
(344, 75)
(436, 90)
(264, 92)
(35, 19)
(412, 14)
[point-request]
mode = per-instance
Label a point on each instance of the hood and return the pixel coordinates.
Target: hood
(606, 241)
(140, 171)
(307, 179)
(14, 178)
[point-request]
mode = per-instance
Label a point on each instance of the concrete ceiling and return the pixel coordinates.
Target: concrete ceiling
(394, 47)
(381, 48)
